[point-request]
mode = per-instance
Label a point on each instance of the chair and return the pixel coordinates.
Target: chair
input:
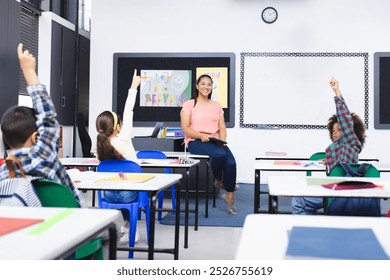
(53, 194)
(155, 154)
(353, 206)
(316, 156)
(134, 207)
(85, 139)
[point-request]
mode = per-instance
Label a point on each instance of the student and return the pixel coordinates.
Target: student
(114, 142)
(347, 133)
(33, 133)
(202, 118)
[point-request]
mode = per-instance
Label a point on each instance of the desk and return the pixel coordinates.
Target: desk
(266, 163)
(168, 163)
(206, 174)
(89, 181)
(152, 163)
(270, 243)
(62, 238)
(299, 186)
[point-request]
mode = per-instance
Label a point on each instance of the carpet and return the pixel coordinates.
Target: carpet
(218, 216)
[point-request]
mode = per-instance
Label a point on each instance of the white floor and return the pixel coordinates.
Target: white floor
(207, 243)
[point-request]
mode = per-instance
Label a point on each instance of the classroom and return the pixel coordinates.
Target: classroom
(278, 100)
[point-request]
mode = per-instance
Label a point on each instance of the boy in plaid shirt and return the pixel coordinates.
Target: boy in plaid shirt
(347, 133)
(33, 134)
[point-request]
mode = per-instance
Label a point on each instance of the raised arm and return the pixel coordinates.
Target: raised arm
(334, 84)
(27, 64)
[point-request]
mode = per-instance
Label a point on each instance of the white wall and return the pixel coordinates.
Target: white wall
(236, 26)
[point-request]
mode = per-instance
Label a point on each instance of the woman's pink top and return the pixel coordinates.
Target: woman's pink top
(203, 117)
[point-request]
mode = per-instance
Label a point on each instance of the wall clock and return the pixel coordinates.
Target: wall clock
(269, 15)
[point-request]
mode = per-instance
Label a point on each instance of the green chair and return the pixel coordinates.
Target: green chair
(53, 194)
(370, 172)
(316, 156)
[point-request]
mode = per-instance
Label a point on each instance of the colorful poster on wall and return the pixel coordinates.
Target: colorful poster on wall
(220, 83)
(165, 88)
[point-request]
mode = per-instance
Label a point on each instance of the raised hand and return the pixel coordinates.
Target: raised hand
(136, 80)
(334, 84)
(27, 64)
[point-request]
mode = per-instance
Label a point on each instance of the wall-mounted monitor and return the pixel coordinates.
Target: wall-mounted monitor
(168, 80)
(382, 90)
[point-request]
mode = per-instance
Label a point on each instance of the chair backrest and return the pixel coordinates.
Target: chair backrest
(85, 139)
(316, 156)
(118, 165)
(155, 154)
(53, 194)
(339, 171)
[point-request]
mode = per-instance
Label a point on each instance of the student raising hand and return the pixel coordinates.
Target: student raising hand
(27, 64)
(334, 84)
(136, 80)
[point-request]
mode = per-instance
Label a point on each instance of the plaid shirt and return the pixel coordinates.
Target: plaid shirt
(41, 159)
(347, 148)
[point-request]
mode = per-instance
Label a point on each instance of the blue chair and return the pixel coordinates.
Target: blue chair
(134, 207)
(155, 154)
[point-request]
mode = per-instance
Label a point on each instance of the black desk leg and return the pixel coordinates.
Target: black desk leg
(257, 192)
(177, 222)
(153, 201)
(273, 205)
(206, 209)
(197, 197)
(186, 208)
(112, 238)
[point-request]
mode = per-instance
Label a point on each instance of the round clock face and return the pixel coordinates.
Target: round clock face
(269, 15)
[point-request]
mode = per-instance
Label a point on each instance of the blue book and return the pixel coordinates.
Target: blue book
(334, 243)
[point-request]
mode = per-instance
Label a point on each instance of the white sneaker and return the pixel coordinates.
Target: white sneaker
(124, 230)
(125, 238)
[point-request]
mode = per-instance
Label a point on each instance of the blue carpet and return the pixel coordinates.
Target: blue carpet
(218, 216)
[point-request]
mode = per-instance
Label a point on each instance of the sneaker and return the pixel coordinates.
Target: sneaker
(232, 210)
(125, 238)
(124, 230)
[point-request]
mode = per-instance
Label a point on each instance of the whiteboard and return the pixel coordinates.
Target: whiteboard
(291, 90)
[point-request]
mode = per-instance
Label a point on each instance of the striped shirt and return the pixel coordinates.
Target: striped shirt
(41, 159)
(347, 148)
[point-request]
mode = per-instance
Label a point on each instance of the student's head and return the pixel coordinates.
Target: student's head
(18, 127)
(358, 128)
(203, 86)
(108, 125)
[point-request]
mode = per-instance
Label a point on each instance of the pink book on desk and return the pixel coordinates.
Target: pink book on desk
(287, 162)
(8, 225)
(350, 185)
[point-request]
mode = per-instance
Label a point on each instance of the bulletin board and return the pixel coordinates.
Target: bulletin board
(290, 90)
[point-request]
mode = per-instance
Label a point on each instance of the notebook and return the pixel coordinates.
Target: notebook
(217, 141)
(334, 243)
(8, 225)
(156, 130)
(350, 185)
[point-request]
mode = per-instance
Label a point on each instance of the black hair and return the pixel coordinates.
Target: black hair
(105, 128)
(17, 125)
(358, 127)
